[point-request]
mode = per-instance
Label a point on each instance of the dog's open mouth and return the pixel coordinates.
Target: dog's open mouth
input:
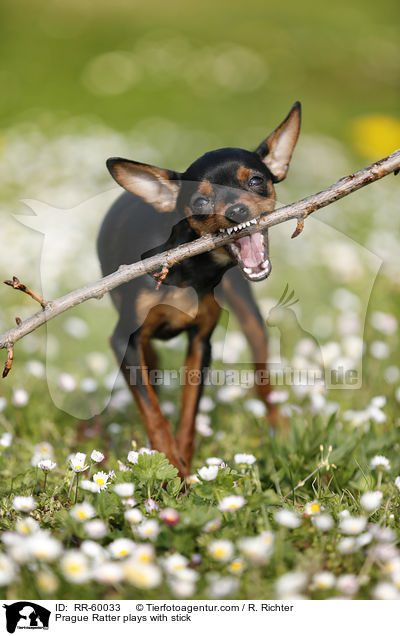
(251, 252)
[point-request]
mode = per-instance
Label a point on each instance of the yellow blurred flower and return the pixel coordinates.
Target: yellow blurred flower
(375, 135)
(47, 581)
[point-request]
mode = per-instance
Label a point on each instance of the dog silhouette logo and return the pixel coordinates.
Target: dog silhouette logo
(26, 615)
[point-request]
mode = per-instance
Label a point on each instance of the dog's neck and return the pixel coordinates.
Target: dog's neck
(186, 274)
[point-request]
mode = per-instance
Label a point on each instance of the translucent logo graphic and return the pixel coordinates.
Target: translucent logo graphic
(312, 307)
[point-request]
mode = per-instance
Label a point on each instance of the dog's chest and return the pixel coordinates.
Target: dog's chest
(164, 315)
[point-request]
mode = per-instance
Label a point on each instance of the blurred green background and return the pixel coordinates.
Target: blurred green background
(340, 59)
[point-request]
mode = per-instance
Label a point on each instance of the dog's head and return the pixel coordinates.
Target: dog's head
(224, 190)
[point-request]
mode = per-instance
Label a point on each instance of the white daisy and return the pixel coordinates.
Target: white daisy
(255, 549)
(208, 473)
(101, 479)
(380, 462)
(232, 503)
(212, 525)
(133, 515)
(24, 504)
(121, 548)
(287, 518)
(175, 562)
(148, 529)
(77, 462)
(221, 549)
(47, 465)
(244, 458)
(7, 570)
(20, 398)
(352, 525)
(74, 565)
(83, 511)
(290, 585)
(142, 575)
(95, 529)
(43, 547)
(370, 501)
(323, 580)
(96, 456)
(124, 489)
(313, 508)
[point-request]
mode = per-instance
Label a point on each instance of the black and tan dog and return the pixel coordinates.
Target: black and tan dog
(163, 209)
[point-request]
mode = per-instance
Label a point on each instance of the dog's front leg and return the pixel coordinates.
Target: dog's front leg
(135, 368)
(196, 364)
(198, 359)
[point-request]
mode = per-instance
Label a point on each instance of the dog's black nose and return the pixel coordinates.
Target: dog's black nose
(238, 213)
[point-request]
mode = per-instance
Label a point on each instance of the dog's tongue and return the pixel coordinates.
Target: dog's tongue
(251, 249)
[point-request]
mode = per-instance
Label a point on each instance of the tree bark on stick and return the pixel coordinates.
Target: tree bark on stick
(299, 211)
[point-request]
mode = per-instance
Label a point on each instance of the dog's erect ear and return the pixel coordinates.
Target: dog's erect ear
(156, 186)
(277, 149)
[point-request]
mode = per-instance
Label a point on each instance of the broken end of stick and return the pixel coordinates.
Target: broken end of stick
(15, 282)
(299, 228)
(9, 361)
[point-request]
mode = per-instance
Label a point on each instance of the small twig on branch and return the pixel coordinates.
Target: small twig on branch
(299, 211)
(9, 361)
(161, 276)
(15, 283)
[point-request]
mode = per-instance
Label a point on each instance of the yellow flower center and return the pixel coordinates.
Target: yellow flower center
(145, 558)
(267, 540)
(100, 481)
(315, 507)
(78, 467)
(123, 552)
(74, 567)
(236, 566)
(81, 514)
(219, 552)
(233, 506)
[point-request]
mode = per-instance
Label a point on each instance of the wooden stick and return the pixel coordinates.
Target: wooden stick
(299, 211)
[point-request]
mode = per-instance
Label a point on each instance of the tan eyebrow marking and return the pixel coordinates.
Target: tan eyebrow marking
(205, 187)
(243, 174)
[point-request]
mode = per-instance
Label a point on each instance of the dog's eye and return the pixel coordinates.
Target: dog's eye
(200, 203)
(256, 182)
